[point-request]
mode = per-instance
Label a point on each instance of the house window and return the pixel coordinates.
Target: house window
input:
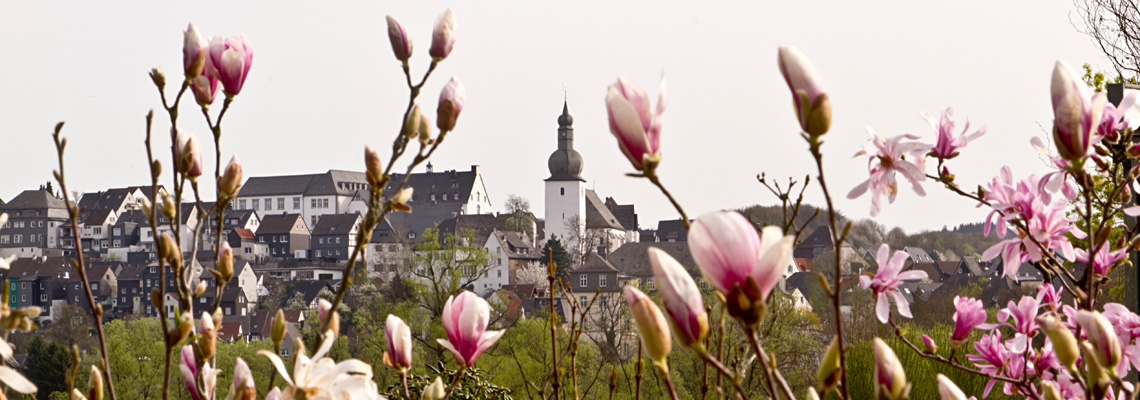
(97, 229)
(23, 297)
(445, 197)
(582, 280)
(601, 281)
(32, 238)
(296, 203)
(432, 197)
(581, 299)
(268, 204)
(261, 239)
(241, 204)
(500, 272)
(95, 286)
(320, 240)
(202, 300)
(313, 203)
(338, 240)
(313, 220)
(318, 253)
(325, 203)
(43, 297)
(562, 191)
(228, 312)
(284, 238)
(3, 239)
(117, 231)
(17, 238)
(280, 203)
(117, 243)
(248, 250)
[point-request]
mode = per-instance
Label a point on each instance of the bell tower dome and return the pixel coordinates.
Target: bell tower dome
(565, 188)
(565, 163)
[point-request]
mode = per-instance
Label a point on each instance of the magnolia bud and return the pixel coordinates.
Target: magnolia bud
(1064, 344)
(243, 385)
(451, 101)
(412, 122)
(156, 298)
(147, 208)
(890, 379)
(1051, 391)
(434, 391)
(207, 336)
(231, 178)
(1102, 337)
(158, 77)
(401, 42)
(947, 390)
(372, 165)
(651, 324)
(201, 288)
(225, 263)
(185, 325)
(813, 109)
(168, 206)
(829, 371)
(95, 384)
(400, 199)
(931, 347)
(443, 36)
(424, 130)
(278, 329)
(811, 394)
(328, 317)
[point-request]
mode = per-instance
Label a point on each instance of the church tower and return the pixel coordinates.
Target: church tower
(565, 188)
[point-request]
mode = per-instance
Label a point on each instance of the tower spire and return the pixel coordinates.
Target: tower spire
(565, 163)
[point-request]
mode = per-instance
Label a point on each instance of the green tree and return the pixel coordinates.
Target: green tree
(560, 255)
(47, 363)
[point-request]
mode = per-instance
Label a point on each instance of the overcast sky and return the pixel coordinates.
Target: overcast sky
(324, 83)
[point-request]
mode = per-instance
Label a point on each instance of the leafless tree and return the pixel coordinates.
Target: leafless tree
(1114, 25)
(446, 264)
(583, 241)
(610, 326)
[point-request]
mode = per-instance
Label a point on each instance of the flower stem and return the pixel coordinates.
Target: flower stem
(664, 371)
(403, 378)
(455, 382)
(651, 174)
(838, 240)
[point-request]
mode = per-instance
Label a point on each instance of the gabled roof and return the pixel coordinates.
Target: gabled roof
(232, 293)
(242, 217)
(595, 263)
(918, 254)
(820, 238)
(336, 224)
(632, 259)
(39, 266)
(95, 217)
(112, 199)
(276, 185)
(598, 216)
(481, 224)
(426, 184)
(32, 199)
(626, 213)
(972, 266)
(245, 233)
(672, 230)
(336, 182)
(278, 223)
(947, 267)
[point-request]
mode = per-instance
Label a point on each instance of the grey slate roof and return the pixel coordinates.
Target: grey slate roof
(633, 258)
(972, 265)
(31, 199)
(335, 224)
(917, 254)
(278, 223)
(276, 185)
(481, 224)
(626, 214)
(595, 263)
(598, 215)
(672, 230)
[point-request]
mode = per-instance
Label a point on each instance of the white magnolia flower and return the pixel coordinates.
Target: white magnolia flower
(321, 378)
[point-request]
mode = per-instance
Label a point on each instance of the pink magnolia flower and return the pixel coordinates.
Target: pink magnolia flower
(229, 61)
(1024, 316)
(1048, 296)
(399, 354)
(993, 358)
(808, 95)
(681, 296)
(1059, 178)
(729, 251)
(465, 318)
(1076, 115)
(637, 129)
(887, 280)
(885, 158)
(191, 373)
(443, 36)
(1103, 259)
(968, 314)
(401, 41)
(931, 347)
(193, 47)
(948, 144)
(243, 385)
